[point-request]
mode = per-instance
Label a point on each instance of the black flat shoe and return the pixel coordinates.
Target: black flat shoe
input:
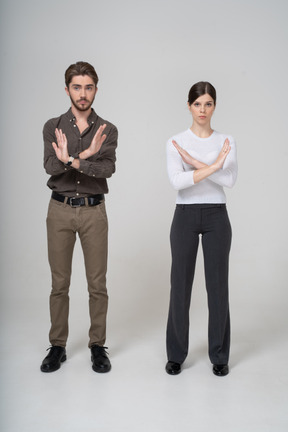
(99, 358)
(173, 368)
(53, 360)
(221, 370)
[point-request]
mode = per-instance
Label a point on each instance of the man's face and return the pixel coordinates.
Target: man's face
(82, 91)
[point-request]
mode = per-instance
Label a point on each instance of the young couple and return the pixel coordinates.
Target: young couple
(79, 156)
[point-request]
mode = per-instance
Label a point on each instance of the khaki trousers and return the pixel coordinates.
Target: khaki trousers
(63, 222)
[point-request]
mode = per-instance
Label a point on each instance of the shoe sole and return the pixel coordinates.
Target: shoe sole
(101, 370)
(173, 373)
(220, 374)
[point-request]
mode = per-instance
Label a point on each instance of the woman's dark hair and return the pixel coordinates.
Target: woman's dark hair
(199, 89)
(80, 68)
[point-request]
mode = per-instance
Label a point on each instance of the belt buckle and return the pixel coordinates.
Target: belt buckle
(74, 205)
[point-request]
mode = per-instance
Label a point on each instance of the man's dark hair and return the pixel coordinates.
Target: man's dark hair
(199, 89)
(80, 68)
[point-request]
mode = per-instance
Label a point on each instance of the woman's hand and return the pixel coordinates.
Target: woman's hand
(187, 158)
(202, 170)
(223, 154)
(206, 170)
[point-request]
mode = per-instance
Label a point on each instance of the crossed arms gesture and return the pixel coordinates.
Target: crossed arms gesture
(202, 170)
(61, 148)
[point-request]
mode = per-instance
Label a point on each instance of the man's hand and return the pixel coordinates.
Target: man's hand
(61, 148)
(96, 143)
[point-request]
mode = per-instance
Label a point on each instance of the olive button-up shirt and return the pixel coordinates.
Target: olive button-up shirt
(90, 178)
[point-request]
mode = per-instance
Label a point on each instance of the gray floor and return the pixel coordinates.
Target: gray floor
(137, 395)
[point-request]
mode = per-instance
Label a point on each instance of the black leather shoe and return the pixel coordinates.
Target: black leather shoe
(100, 361)
(173, 368)
(221, 370)
(53, 360)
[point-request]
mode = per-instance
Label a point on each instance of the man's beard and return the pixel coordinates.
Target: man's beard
(80, 107)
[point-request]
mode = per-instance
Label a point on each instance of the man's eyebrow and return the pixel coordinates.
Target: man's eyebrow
(80, 85)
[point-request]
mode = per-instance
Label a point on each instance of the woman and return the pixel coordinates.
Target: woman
(200, 162)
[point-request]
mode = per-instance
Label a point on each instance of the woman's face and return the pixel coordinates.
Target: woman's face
(202, 109)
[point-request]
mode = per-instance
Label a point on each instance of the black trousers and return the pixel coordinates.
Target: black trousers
(189, 222)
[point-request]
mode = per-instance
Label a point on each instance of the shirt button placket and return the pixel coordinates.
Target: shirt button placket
(79, 151)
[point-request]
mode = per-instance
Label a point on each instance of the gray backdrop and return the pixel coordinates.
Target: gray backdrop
(147, 55)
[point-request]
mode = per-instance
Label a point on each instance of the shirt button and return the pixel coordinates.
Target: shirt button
(78, 182)
(74, 125)
(77, 193)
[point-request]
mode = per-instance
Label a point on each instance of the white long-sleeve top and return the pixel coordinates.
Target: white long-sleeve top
(206, 150)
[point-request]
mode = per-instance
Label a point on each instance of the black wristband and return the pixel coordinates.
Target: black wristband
(70, 161)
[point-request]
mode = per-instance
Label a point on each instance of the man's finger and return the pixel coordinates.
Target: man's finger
(103, 137)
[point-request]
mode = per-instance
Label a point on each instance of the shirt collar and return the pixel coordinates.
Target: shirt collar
(91, 119)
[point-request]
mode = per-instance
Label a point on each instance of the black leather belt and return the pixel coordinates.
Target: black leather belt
(92, 200)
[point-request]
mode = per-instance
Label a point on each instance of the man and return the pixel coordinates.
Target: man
(79, 157)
